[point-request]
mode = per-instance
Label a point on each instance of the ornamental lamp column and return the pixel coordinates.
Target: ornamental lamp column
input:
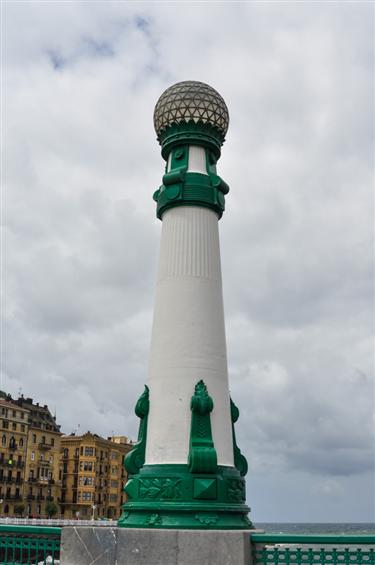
(186, 470)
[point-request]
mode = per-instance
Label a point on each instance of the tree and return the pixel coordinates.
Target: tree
(19, 509)
(51, 509)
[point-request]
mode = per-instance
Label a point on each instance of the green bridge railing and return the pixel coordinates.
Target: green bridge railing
(33, 545)
(29, 545)
(285, 549)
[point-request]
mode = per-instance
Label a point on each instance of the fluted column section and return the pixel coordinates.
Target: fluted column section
(188, 337)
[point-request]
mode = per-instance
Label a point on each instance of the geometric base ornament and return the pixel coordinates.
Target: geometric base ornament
(198, 495)
(169, 496)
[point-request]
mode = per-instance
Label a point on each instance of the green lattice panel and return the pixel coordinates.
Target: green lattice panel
(37, 546)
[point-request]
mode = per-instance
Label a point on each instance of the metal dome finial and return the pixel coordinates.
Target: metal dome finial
(191, 101)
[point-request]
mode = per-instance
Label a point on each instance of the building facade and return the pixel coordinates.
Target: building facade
(42, 483)
(29, 458)
(93, 476)
(13, 450)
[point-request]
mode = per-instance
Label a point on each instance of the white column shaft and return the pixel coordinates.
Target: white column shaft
(188, 337)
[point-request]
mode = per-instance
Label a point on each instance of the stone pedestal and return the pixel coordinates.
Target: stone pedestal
(121, 546)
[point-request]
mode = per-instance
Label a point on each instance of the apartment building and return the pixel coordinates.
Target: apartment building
(93, 475)
(14, 429)
(42, 482)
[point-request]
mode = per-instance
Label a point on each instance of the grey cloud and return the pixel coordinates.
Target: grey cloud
(81, 238)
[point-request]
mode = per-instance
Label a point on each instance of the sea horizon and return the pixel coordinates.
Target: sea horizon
(343, 528)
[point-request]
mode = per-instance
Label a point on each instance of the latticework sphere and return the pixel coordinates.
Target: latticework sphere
(191, 101)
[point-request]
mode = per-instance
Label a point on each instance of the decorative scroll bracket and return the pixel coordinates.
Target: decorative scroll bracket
(240, 461)
(202, 453)
(135, 459)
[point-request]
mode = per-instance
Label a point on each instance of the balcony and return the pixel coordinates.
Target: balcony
(45, 446)
(50, 498)
(20, 464)
(30, 497)
(40, 497)
(44, 463)
(51, 482)
(10, 496)
(32, 480)
(9, 462)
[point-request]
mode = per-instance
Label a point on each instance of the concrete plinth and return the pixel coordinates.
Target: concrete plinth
(121, 546)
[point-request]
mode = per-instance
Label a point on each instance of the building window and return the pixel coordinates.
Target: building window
(4, 440)
(43, 439)
(114, 484)
(52, 441)
(22, 416)
(86, 481)
(66, 453)
(21, 442)
(34, 438)
(86, 496)
(5, 424)
(14, 413)
(113, 497)
(89, 451)
(33, 456)
(43, 473)
(22, 427)
(12, 442)
(86, 466)
(14, 426)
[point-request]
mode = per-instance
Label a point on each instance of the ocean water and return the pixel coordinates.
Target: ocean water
(317, 528)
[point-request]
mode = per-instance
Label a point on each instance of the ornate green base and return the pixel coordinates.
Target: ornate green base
(170, 496)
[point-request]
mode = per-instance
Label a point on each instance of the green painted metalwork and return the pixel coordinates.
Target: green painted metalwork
(278, 549)
(29, 545)
(202, 454)
(240, 461)
(135, 459)
(197, 495)
(181, 188)
(191, 133)
(170, 496)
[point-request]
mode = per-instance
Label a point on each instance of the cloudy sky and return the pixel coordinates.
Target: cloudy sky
(80, 238)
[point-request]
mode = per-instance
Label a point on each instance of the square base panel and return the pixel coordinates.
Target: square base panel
(121, 546)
